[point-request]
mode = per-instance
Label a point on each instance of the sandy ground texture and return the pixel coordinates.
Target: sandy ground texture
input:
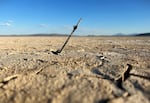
(89, 70)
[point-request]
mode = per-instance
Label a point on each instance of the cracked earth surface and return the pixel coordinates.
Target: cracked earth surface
(85, 72)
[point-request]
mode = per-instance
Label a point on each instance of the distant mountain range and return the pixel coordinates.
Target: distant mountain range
(56, 34)
(143, 34)
(135, 34)
(53, 34)
(119, 34)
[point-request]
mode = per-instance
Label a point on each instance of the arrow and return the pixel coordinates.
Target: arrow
(60, 50)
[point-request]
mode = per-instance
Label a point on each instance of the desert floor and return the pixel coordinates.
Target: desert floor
(89, 70)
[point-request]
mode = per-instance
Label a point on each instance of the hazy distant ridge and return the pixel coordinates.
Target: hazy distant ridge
(56, 34)
(143, 34)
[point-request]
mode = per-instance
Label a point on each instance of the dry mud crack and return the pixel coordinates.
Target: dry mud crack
(89, 70)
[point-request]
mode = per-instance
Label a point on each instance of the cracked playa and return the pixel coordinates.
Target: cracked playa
(89, 70)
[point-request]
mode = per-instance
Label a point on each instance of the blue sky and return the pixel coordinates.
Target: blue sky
(100, 17)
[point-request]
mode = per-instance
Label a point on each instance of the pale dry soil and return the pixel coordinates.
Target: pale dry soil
(85, 71)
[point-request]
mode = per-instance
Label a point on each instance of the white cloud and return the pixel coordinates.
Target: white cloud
(43, 25)
(68, 27)
(5, 24)
(8, 23)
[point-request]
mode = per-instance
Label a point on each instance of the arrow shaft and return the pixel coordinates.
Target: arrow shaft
(75, 27)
